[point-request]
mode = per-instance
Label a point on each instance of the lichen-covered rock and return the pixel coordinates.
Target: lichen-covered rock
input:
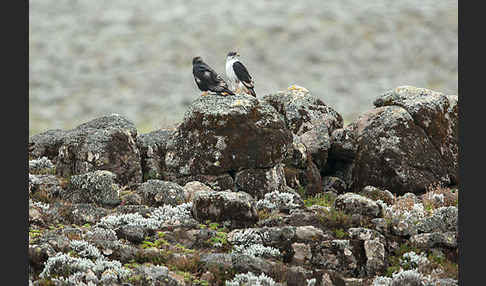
(159, 193)
(258, 182)
(237, 207)
(352, 203)
(215, 182)
(154, 275)
(343, 146)
(133, 233)
(407, 143)
(434, 239)
(81, 214)
(336, 255)
(105, 143)
(152, 148)
(46, 144)
(300, 170)
(436, 114)
(378, 194)
(93, 187)
(443, 219)
(193, 187)
(44, 186)
(333, 184)
(227, 134)
(302, 253)
(375, 256)
(243, 263)
(309, 118)
(280, 201)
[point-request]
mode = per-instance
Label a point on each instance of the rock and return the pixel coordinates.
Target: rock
(352, 203)
(227, 134)
(193, 187)
(407, 143)
(336, 255)
(46, 144)
(154, 275)
(93, 187)
(258, 182)
(434, 239)
(343, 144)
(159, 193)
(364, 234)
(302, 253)
(210, 260)
(152, 148)
(135, 234)
(105, 143)
(81, 214)
(38, 255)
(333, 184)
(444, 219)
(309, 233)
(215, 182)
(309, 118)
(282, 201)
(243, 263)
(375, 256)
(436, 114)
(377, 194)
(44, 187)
(237, 207)
(301, 171)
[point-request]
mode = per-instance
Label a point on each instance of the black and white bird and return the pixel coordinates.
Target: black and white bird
(238, 75)
(207, 79)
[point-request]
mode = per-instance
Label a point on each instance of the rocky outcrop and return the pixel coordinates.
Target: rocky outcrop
(250, 189)
(105, 143)
(404, 145)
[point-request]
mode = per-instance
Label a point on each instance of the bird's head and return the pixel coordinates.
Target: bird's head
(196, 60)
(233, 55)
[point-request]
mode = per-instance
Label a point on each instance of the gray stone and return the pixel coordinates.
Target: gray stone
(159, 193)
(434, 239)
(309, 118)
(237, 207)
(153, 147)
(443, 219)
(93, 187)
(46, 144)
(221, 134)
(375, 256)
(378, 194)
(135, 234)
(105, 143)
(258, 182)
(352, 203)
(193, 187)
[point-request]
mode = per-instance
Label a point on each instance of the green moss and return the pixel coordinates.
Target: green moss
(340, 233)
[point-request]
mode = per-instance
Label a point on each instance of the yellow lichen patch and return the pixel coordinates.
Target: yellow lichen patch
(298, 88)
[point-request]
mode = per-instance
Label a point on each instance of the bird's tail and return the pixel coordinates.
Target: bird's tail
(226, 92)
(252, 92)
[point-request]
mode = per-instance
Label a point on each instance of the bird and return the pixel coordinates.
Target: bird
(238, 74)
(207, 79)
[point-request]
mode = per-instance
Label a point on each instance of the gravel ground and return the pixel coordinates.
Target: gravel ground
(89, 57)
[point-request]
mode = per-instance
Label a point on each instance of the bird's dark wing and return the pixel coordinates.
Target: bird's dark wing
(242, 74)
(211, 80)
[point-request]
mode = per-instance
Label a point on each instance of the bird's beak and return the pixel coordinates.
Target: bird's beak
(237, 54)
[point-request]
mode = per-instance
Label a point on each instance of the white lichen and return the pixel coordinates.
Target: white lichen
(277, 200)
(251, 279)
(257, 250)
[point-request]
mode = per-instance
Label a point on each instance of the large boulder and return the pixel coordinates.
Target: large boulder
(227, 134)
(434, 112)
(105, 143)
(404, 145)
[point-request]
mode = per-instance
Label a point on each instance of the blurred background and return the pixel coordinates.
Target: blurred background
(88, 58)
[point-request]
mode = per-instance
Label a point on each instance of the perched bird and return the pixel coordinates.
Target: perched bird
(207, 79)
(238, 74)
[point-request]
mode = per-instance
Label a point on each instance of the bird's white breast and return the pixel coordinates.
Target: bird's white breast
(230, 73)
